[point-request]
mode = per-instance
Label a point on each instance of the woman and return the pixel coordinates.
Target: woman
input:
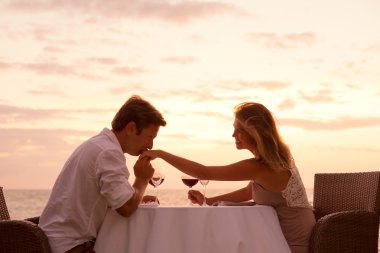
(274, 178)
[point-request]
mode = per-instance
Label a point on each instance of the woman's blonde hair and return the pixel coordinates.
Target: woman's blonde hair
(260, 124)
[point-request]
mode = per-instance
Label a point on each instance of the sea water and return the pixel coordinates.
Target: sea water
(30, 203)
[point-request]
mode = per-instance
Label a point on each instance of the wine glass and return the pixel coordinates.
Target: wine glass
(190, 182)
(156, 180)
(204, 183)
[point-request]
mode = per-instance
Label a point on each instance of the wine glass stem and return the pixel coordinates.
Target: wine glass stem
(156, 194)
(190, 204)
(204, 196)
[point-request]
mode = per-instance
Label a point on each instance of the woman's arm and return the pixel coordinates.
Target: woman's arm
(240, 171)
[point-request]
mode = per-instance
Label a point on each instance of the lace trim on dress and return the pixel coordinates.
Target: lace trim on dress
(295, 193)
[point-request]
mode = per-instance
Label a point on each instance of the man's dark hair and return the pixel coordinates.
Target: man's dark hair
(137, 110)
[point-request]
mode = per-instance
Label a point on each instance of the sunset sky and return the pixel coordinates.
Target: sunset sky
(66, 66)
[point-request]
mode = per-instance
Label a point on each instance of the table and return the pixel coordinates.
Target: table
(221, 229)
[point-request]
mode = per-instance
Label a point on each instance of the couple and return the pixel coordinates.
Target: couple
(95, 176)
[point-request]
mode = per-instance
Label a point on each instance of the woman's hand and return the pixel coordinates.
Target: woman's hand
(195, 197)
(150, 154)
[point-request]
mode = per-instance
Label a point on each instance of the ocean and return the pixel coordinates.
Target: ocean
(30, 203)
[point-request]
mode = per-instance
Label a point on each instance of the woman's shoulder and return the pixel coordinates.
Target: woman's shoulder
(255, 164)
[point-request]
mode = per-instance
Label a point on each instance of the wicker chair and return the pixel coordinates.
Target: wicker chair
(347, 209)
(20, 236)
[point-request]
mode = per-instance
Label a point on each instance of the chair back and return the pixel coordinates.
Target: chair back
(336, 192)
(4, 214)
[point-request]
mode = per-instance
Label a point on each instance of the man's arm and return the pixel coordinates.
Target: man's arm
(143, 171)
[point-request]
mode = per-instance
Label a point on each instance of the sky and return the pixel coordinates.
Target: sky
(66, 67)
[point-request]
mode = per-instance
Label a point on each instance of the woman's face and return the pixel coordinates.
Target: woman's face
(242, 139)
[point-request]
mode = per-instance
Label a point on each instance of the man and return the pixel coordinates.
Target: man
(95, 177)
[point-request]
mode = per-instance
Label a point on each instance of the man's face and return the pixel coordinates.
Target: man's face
(140, 142)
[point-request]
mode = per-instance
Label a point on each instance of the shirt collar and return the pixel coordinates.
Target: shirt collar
(111, 135)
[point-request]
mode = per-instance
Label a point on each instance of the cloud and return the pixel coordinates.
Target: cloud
(176, 136)
(201, 94)
(240, 84)
(217, 115)
(28, 30)
(347, 149)
(39, 140)
(284, 41)
(54, 49)
(207, 92)
(270, 85)
(374, 48)
(10, 114)
(48, 90)
(83, 68)
(14, 114)
(177, 12)
(287, 104)
(5, 66)
(179, 60)
(319, 96)
(338, 124)
(351, 68)
(43, 33)
(50, 68)
(126, 70)
(85, 72)
(353, 86)
(137, 87)
(102, 60)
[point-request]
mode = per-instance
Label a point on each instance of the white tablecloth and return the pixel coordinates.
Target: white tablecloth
(219, 229)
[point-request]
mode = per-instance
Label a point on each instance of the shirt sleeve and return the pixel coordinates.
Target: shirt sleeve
(113, 175)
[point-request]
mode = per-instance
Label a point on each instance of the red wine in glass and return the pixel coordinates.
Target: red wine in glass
(190, 182)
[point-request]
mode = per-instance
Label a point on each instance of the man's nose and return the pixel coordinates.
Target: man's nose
(149, 145)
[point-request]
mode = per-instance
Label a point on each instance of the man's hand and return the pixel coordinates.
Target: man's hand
(143, 172)
(143, 168)
(149, 198)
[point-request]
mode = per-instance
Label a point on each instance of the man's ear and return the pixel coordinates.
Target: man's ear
(130, 128)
